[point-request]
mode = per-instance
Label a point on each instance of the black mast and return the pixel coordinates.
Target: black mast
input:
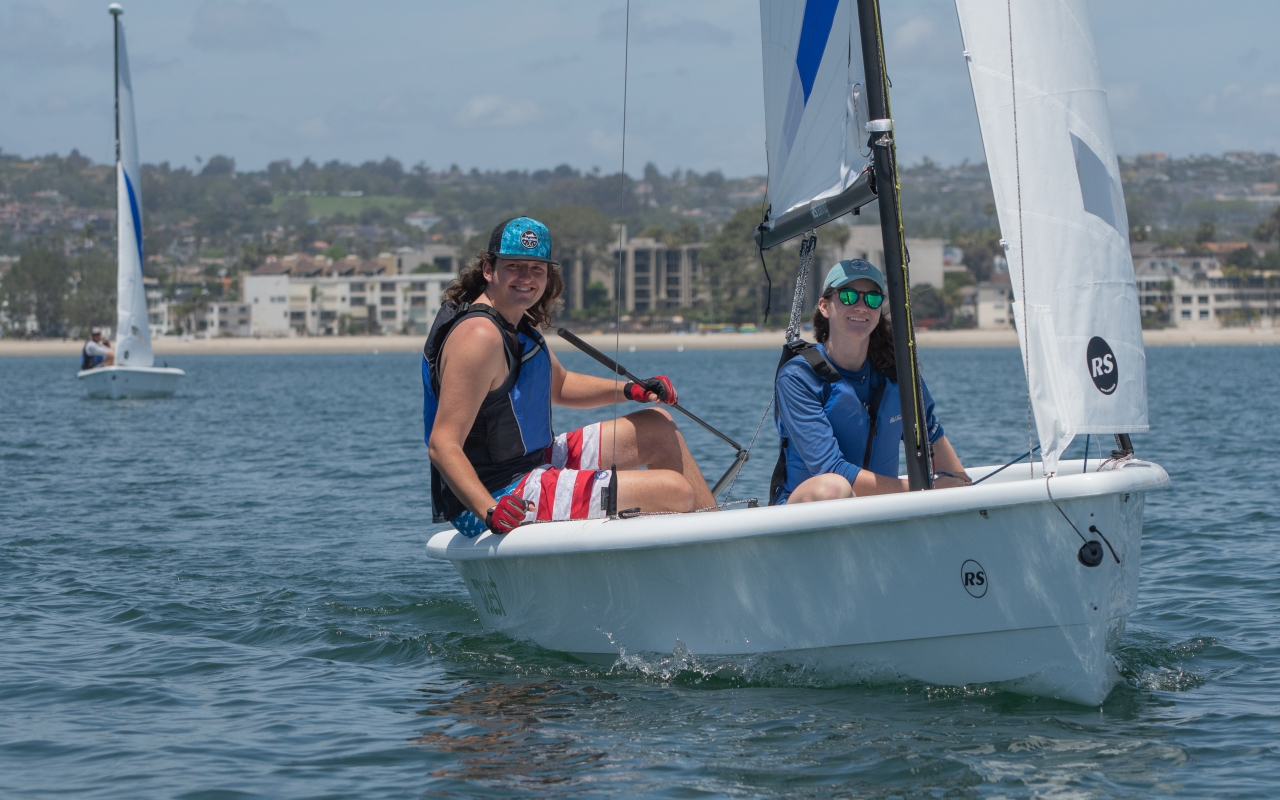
(885, 162)
(116, 11)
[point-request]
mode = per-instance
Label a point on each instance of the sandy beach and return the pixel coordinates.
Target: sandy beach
(630, 342)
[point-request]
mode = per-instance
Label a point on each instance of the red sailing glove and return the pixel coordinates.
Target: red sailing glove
(659, 385)
(508, 514)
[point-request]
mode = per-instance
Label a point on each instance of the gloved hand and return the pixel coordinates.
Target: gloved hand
(659, 385)
(508, 514)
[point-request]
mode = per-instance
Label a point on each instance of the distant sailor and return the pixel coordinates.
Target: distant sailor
(97, 352)
(489, 382)
(838, 413)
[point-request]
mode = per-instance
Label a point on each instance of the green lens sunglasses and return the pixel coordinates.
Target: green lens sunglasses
(872, 297)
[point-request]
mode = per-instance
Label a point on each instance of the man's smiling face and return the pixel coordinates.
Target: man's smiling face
(516, 283)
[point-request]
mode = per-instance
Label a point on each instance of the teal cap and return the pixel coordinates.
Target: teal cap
(850, 270)
(521, 238)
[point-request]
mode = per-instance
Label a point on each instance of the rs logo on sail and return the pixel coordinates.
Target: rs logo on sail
(1102, 365)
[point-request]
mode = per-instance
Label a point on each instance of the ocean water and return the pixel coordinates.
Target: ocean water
(226, 595)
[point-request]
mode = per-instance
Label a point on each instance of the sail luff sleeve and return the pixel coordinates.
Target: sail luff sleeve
(884, 158)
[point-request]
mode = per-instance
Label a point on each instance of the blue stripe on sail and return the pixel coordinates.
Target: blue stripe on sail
(137, 216)
(818, 16)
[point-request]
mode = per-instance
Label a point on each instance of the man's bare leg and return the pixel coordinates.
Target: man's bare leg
(650, 438)
(654, 490)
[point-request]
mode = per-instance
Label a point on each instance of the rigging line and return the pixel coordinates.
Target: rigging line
(1022, 252)
(1092, 528)
(1063, 513)
(728, 492)
(619, 272)
(1006, 466)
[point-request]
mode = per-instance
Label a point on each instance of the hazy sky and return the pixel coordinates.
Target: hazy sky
(526, 85)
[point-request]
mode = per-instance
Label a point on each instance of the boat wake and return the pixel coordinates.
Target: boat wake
(1151, 664)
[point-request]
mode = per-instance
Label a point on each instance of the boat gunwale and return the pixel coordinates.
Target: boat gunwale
(577, 537)
(86, 373)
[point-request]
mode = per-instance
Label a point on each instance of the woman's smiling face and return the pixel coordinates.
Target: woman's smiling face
(855, 321)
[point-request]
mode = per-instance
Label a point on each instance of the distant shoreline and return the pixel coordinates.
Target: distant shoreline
(629, 342)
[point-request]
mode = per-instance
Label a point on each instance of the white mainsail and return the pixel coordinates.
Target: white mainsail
(1056, 179)
(812, 63)
(133, 334)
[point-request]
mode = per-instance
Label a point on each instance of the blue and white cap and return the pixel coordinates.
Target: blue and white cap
(522, 238)
(850, 270)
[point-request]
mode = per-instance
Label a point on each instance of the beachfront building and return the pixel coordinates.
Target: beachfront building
(654, 276)
(1213, 302)
(1184, 290)
(988, 306)
(928, 256)
(316, 296)
(336, 306)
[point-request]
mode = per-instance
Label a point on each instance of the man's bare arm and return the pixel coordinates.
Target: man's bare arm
(472, 364)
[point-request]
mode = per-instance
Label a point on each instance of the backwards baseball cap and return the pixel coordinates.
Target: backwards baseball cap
(850, 270)
(521, 238)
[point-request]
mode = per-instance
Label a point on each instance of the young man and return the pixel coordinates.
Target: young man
(97, 352)
(489, 382)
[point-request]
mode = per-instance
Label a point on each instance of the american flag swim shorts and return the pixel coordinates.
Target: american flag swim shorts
(567, 486)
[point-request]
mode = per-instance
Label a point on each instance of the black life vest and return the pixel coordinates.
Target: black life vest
(513, 425)
(87, 361)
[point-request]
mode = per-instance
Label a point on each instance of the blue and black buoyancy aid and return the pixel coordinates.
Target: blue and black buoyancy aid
(513, 425)
(87, 361)
(876, 437)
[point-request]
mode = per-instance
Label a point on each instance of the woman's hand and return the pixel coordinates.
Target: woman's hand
(948, 480)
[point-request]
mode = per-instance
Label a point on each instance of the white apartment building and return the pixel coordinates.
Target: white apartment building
(1213, 302)
(328, 305)
(267, 298)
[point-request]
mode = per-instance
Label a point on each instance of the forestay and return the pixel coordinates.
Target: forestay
(133, 335)
(1056, 180)
(812, 64)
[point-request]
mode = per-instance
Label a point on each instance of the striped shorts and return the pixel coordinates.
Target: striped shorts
(567, 486)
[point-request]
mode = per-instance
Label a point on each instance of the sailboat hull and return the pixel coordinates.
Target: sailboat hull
(981, 585)
(116, 383)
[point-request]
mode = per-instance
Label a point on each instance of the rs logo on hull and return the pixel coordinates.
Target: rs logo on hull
(974, 578)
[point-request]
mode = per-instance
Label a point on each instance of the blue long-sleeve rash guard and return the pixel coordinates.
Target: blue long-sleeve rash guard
(826, 424)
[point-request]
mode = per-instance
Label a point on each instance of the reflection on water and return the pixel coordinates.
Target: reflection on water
(503, 734)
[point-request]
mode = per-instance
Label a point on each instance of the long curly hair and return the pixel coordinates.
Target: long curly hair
(471, 284)
(879, 351)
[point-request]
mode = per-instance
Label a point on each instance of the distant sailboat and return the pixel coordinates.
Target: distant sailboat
(1024, 581)
(133, 375)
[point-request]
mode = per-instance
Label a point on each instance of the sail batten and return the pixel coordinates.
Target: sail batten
(1056, 180)
(812, 61)
(133, 332)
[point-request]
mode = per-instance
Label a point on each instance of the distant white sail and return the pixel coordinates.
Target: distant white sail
(812, 62)
(1062, 215)
(133, 334)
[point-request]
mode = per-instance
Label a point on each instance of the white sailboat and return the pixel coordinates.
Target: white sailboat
(134, 374)
(1024, 580)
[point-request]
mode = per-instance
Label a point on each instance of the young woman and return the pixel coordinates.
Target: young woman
(830, 447)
